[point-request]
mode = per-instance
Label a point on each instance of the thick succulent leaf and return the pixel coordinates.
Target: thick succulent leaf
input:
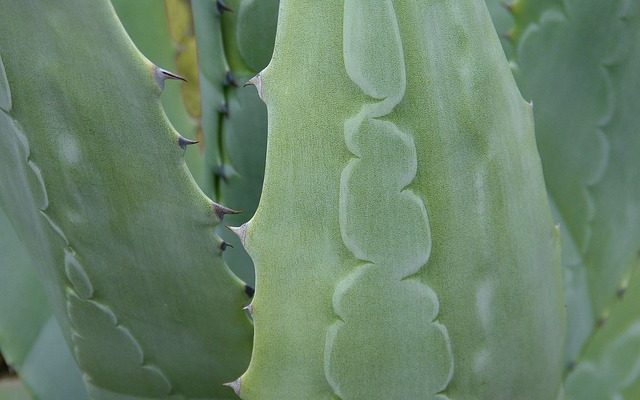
(146, 24)
(93, 178)
(403, 244)
(232, 47)
(609, 368)
(577, 61)
(30, 337)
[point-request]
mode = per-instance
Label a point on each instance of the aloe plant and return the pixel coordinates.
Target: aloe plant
(404, 244)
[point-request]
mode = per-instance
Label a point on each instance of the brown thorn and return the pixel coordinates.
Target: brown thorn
(221, 210)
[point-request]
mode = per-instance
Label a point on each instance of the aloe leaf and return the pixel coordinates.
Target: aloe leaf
(404, 246)
(582, 78)
(30, 338)
(146, 24)
(94, 176)
(235, 41)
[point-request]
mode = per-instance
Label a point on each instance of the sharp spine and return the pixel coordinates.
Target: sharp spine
(257, 82)
(183, 142)
(235, 385)
(162, 75)
(221, 210)
(240, 231)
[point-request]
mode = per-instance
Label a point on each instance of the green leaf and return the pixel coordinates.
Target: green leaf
(403, 243)
(94, 180)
